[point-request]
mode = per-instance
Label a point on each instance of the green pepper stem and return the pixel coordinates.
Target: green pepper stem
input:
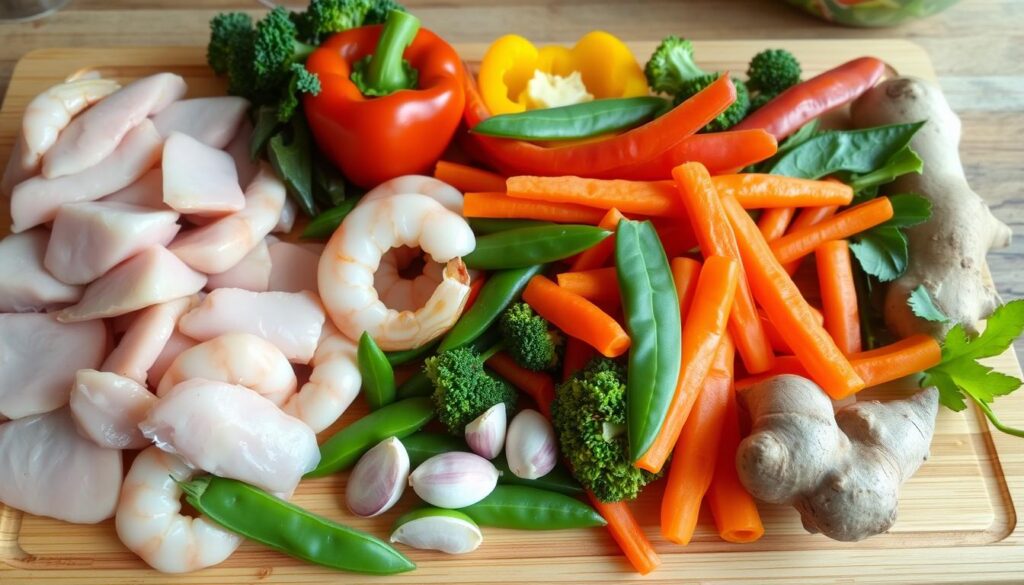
(386, 72)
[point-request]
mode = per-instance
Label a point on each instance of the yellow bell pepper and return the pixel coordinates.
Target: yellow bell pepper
(607, 66)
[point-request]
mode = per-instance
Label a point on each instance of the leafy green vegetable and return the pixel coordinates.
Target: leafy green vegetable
(266, 126)
(324, 224)
(882, 250)
(290, 154)
(328, 185)
(845, 151)
(961, 375)
(903, 162)
(922, 305)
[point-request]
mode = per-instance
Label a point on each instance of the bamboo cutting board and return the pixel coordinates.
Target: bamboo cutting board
(958, 521)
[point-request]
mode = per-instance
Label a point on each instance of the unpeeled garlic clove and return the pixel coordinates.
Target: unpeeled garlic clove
(486, 434)
(530, 445)
(378, 479)
(448, 531)
(454, 480)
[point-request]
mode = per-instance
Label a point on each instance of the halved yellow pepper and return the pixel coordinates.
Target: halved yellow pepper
(608, 68)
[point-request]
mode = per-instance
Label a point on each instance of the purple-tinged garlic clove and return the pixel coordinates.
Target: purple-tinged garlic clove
(454, 480)
(378, 479)
(530, 445)
(486, 434)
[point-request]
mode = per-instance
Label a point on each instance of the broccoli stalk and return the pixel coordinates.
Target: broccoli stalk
(528, 340)
(378, 13)
(463, 390)
(589, 416)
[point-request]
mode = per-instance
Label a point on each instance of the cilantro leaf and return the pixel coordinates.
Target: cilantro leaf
(882, 252)
(922, 305)
(1004, 325)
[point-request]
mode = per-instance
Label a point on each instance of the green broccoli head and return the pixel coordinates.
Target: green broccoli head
(378, 13)
(276, 48)
(463, 390)
(773, 71)
(528, 340)
(225, 31)
(326, 17)
(589, 416)
(732, 115)
(302, 81)
(760, 100)
(671, 66)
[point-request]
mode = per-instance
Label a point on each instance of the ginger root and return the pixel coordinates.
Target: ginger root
(947, 253)
(842, 472)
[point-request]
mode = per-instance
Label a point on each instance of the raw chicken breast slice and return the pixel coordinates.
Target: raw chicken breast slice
(251, 273)
(39, 357)
(153, 276)
(238, 148)
(93, 135)
(293, 268)
(146, 338)
(25, 284)
(16, 171)
(222, 244)
(90, 238)
(176, 344)
(108, 408)
(37, 200)
(198, 178)
(233, 432)
(291, 321)
(214, 121)
(48, 469)
(148, 191)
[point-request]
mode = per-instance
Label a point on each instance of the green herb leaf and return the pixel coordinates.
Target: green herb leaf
(922, 305)
(290, 154)
(328, 184)
(849, 151)
(903, 162)
(264, 128)
(882, 252)
(323, 225)
(908, 210)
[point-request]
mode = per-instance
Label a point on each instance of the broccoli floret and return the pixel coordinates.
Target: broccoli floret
(225, 30)
(773, 71)
(302, 81)
(326, 17)
(463, 390)
(732, 115)
(276, 48)
(671, 66)
(589, 416)
(760, 100)
(528, 340)
(378, 13)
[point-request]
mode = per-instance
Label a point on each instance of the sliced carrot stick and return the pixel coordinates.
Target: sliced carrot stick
(685, 272)
(806, 218)
(703, 330)
(600, 285)
(596, 256)
(499, 205)
(654, 198)
(704, 208)
(676, 237)
(734, 509)
(787, 309)
(854, 220)
(773, 222)
(628, 534)
(468, 179)
(696, 451)
(577, 356)
(778, 343)
(576, 316)
(838, 295)
(536, 385)
(756, 191)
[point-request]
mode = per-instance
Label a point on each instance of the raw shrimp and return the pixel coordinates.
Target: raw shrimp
(437, 190)
(354, 253)
(333, 384)
(51, 111)
(236, 358)
(400, 293)
(150, 523)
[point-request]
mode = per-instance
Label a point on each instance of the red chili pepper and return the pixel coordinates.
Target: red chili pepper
(805, 101)
(404, 130)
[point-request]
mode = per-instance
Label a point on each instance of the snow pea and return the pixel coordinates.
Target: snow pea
(378, 376)
(532, 245)
(324, 224)
(296, 532)
(398, 419)
(651, 307)
(845, 151)
(397, 358)
(487, 225)
(418, 385)
(575, 121)
(497, 293)
(528, 508)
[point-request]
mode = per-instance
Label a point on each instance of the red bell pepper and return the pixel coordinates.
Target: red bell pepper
(378, 116)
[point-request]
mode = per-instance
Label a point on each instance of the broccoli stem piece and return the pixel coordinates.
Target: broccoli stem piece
(386, 72)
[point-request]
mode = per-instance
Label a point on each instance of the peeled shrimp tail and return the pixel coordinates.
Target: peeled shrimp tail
(333, 384)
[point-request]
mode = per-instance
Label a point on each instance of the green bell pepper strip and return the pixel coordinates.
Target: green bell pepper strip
(418, 385)
(296, 532)
(324, 224)
(532, 245)
(482, 226)
(397, 358)
(528, 508)
(398, 419)
(378, 376)
(651, 308)
(497, 293)
(575, 121)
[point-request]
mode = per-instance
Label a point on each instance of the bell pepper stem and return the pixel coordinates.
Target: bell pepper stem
(386, 72)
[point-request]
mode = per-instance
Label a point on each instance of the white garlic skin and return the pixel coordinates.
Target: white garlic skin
(454, 480)
(486, 434)
(378, 479)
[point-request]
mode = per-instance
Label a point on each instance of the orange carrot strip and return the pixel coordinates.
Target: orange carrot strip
(598, 254)
(536, 385)
(693, 462)
(676, 237)
(685, 272)
(838, 295)
(787, 309)
(576, 316)
(703, 330)
(654, 198)
(778, 343)
(801, 242)
(599, 285)
(808, 217)
(716, 239)
(466, 178)
(500, 206)
(773, 222)
(733, 508)
(628, 534)
(577, 356)
(755, 191)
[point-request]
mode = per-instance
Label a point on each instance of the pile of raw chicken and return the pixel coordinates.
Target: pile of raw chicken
(146, 305)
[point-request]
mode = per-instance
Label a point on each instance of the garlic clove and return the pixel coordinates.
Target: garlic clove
(486, 434)
(530, 445)
(454, 480)
(378, 479)
(448, 531)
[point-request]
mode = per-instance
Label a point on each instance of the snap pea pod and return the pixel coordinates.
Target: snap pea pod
(418, 385)
(497, 293)
(482, 226)
(651, 308)
(324, 224)
(296, 532)
(398, 419)
(532, 245)
(378, 376)
(528, 508)
(397, 358)
(575, 121)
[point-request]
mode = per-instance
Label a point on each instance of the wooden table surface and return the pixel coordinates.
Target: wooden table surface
(977, 48)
